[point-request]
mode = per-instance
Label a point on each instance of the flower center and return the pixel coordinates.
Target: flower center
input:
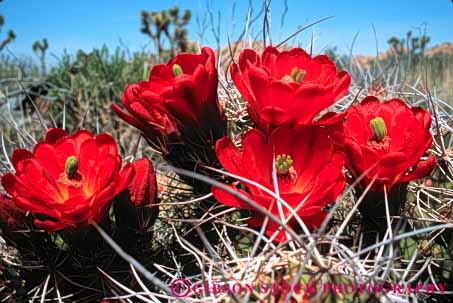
(71, 176)
(283, 164)
(378, 128)
(380, 140)
(383, 145)
(71, 167)
(177, 70)
(297, 75)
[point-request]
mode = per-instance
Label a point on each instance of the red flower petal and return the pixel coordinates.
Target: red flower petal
(239, 73)
(106, 144)
(230, 200)
(342, 83)
(422, 169)
(125, 178)
(80, 136)
(45, 153)
(50, 226)
(108, 169)
(41, 183)
(19, 155)
(55, 134)
(129, 118)
(228, 155)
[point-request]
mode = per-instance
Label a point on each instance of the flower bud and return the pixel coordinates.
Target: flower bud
(142, 189)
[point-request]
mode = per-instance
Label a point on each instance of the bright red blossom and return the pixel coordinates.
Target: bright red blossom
(308, 167)
(392, 151)
(287, 88)
(67, 180)
(177, 103)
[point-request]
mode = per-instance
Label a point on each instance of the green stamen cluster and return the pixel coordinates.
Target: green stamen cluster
(177, 70)
(71, 167)
(297, 74)
(283, 163)
(378, 128)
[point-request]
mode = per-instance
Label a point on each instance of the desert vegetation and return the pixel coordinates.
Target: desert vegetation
(188, 214)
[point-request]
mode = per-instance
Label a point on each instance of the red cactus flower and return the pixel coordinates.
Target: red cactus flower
(142, 189)
(178, 104)
(67, 181)
(287, 88)
(308, 169)
(387, 140)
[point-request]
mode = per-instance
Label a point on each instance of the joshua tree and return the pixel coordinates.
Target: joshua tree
(10, 36)
(167, 23)
(409, 39)
(424, 40)
(394, 43)
(40, 48)
(160, 21)
(179, 35)
(415, 44)
(411, 44)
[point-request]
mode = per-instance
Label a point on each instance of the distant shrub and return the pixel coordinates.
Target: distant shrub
(92, 81)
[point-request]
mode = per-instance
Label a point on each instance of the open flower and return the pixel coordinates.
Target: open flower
(386, 141)
(287, 88)
(67, 181)
(307, 166)
(178, 106)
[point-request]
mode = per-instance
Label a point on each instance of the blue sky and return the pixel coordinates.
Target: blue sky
(90, 23)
